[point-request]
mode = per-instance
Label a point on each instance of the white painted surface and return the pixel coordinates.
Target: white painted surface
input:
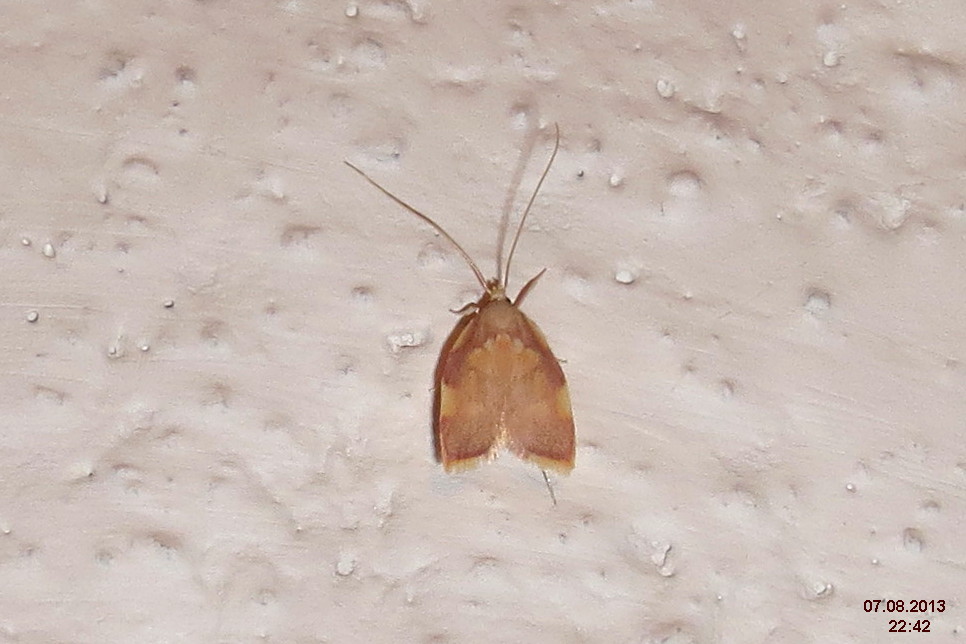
(756, 238)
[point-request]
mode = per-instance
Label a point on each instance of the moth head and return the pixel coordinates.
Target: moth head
(495, 290)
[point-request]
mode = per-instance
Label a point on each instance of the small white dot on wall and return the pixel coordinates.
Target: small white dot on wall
(740, 34)
(407, 340)
(100, 193)
(49, 251)
(115, 351)
(352, 11)
(25, 241)
(346, 564)
(821, 589)
(81, 471)
(818, 302)
(665, 88)
(32, 316)
(625, 277)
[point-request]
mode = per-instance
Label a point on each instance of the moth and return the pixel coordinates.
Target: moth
(497, 383)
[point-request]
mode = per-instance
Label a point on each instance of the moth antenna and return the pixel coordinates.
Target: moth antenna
(546, 479)
(466, 256)
(526, 211)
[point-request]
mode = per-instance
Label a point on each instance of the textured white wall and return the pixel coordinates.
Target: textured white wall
(756, 237)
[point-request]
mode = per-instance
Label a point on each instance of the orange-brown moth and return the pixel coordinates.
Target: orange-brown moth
(497, 384)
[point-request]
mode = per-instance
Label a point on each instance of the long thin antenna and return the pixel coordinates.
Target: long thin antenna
(512, 192)
(428, 220)
(526, 211)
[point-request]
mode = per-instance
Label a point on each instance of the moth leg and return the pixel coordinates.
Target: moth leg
(553, 497)
(526, 287)
(469, 306)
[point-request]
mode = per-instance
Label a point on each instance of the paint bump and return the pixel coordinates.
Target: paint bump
(913, 540)
(684, 184)
(665, 88)
(818, 302)
(625, 276)
(406, 340)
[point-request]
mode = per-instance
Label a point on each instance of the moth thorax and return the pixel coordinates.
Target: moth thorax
(501, 315)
